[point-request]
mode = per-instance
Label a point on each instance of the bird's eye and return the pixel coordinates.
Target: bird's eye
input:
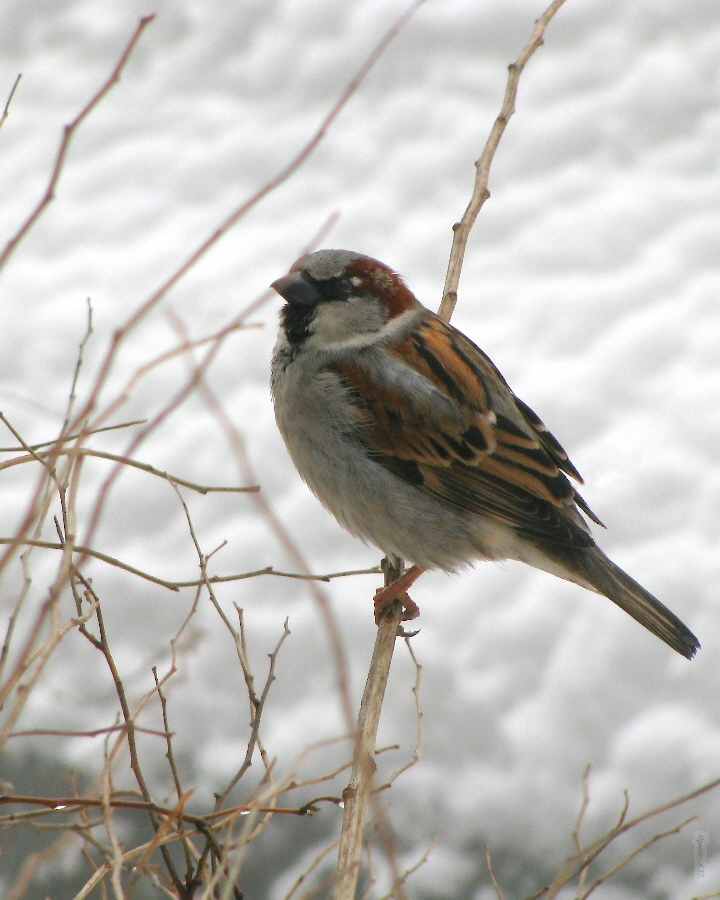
(340, 287)
(346, 287)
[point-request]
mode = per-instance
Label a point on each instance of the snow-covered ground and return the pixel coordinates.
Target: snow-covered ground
(592, 279)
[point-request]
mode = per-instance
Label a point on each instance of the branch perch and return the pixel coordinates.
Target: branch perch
(355, 795)
(357, 792)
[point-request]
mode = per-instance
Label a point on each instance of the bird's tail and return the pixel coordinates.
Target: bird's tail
(606, 578)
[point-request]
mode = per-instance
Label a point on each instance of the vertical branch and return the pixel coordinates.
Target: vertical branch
(355, 795)
(357, 792)
(462, 229)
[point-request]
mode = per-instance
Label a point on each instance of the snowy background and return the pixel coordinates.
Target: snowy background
(592, 280)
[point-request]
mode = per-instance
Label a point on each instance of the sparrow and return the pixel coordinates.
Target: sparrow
(409, 435)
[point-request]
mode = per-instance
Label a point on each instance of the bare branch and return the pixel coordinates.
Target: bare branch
(178, 585)
(9, 99)
(419, 733)
(462, 229)
(302, 878)
(575, 865)
(68, 134)
(92, 732)
(182, 795)
(71, 437)
(126, 461)
(392, 895)
(356, 795)
(78, 365)
(630, 856)
(488, 860)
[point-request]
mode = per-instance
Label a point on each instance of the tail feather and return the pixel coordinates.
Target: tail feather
(606, 578)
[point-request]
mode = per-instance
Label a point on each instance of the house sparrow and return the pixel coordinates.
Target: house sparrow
(414, 441)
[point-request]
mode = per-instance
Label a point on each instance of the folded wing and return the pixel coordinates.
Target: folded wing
(447, 423)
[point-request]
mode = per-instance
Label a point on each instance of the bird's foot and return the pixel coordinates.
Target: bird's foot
(397, 592)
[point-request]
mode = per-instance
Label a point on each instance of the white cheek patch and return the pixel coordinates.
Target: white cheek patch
(357, 322)
(401, 324)
(347, 323)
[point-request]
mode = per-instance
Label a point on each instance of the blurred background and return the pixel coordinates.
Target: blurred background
(592, 281)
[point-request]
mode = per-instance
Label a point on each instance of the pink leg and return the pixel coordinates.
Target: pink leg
(386, 597)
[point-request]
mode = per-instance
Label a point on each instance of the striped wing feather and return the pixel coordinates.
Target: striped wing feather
(443, 419)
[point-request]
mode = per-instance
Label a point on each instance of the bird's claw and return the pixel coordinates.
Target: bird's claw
(385, 600)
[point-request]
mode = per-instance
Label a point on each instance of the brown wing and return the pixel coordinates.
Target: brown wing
(556, 451)
(442, 418)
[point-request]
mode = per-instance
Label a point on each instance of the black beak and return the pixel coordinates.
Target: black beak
(296, 290)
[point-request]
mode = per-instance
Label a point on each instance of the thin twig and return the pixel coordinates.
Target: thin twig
(488, 860)
(126, 461)
(392, 895)
(68, 805)
(303, 876)
(583, 808)
(15, 614)
(257, 704)
(96, 554)
(129, 720)
(94, 732)
(630, 856)
(78, 366)
(178, 585)
(9, 99)
(462, 229)
(170, 756)
(587, 855)
(579, 822)
(72, 437)
(68, 134)
(31, 454)
(36, 659)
